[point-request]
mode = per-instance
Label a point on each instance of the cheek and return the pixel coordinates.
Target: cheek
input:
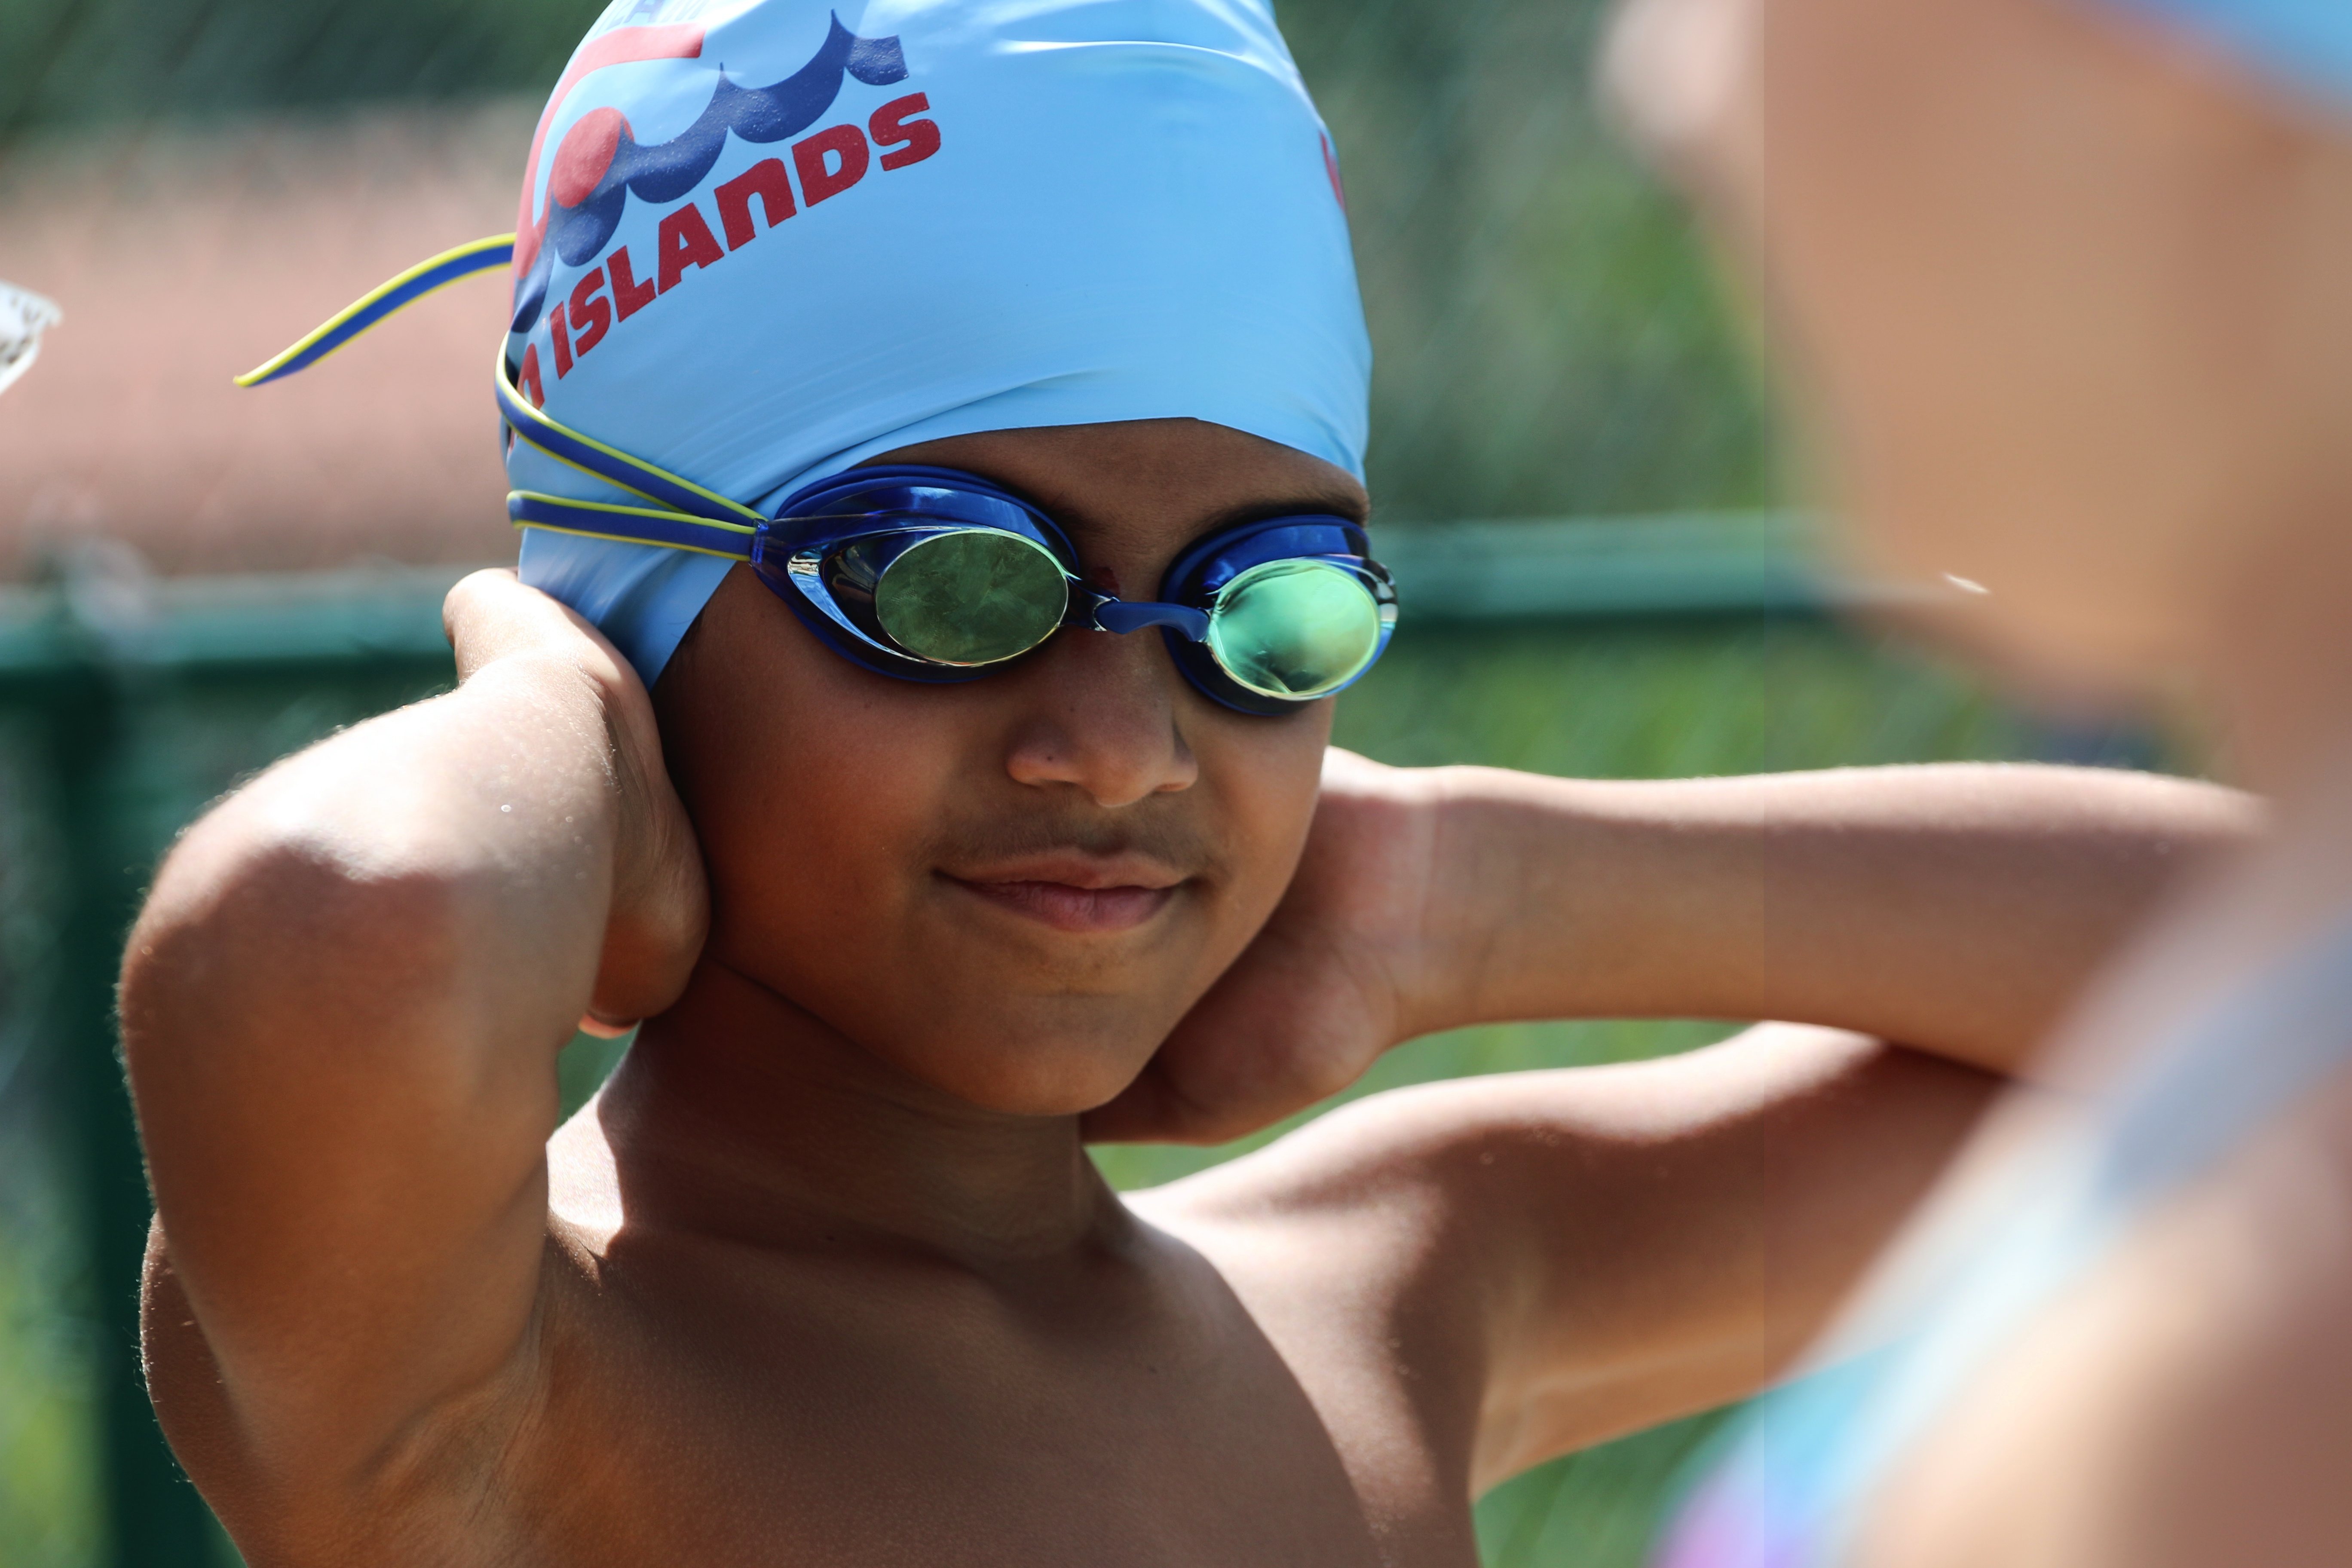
(823, 797)
(1262, 776)
(812, 826)
(812, 785)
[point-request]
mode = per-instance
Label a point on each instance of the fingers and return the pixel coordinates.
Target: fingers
(1199, 1092)
(661, 905)
(1291, 1024)
(491, 614)
(1344, 769)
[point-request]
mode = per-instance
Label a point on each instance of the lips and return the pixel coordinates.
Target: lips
(1076, 893)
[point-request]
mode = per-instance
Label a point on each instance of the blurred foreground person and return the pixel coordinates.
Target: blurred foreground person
(937, 434)
(2067, 290)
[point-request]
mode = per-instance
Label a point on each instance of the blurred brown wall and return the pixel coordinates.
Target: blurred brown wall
(184, 256)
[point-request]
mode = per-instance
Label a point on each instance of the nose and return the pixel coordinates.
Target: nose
(1103, 717)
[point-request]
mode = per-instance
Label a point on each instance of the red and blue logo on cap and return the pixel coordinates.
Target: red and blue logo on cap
(599, 165)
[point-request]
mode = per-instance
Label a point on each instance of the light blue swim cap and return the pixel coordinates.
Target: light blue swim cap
(2307, 43)
(764, 240)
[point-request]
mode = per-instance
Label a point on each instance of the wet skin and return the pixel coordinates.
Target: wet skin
(825, 1274)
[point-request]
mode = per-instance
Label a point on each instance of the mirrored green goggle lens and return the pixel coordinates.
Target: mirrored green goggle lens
(1295, 629)
(972, 597)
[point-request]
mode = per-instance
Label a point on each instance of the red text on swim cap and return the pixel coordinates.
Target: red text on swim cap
(828, 163)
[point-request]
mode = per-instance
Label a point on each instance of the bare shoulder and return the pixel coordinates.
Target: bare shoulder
(1342, 1242)
(1456, 1212)
(1544, 1260)
(2189, 1405)
(1362, 1193)
(1489, 1162)
(1348, 1214)
(508, 1466)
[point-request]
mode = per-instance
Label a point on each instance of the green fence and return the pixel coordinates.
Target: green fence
(1661, 647)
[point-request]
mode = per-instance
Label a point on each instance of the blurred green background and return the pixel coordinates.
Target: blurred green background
(1549, 343)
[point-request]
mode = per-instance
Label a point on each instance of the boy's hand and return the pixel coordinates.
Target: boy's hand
(660, 909)
(1336, 978)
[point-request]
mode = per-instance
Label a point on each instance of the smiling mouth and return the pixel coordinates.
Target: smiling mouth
(1076, 893)
(1065, 907)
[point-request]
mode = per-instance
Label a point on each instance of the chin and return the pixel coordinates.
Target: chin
(1027, 1071)
(1054, 1086)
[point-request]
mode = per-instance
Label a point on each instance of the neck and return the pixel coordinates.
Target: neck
(738, 1114)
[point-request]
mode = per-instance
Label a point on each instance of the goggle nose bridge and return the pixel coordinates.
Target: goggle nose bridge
(1123, 616)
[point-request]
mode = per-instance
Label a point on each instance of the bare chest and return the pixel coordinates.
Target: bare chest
(827, 1417)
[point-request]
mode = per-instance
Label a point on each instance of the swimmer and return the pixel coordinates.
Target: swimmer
(913, 704)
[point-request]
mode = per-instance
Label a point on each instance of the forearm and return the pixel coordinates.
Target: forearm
(1953, 908)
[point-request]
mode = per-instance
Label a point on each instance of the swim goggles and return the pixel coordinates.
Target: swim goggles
(935, 574)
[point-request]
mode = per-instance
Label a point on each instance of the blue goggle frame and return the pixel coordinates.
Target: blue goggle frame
(895, 506)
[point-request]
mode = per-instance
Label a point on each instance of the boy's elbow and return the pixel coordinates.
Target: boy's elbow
(257, 928)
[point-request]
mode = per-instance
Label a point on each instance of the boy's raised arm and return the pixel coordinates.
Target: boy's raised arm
(1597, 1250)
(341, 1007)
(1954, 908)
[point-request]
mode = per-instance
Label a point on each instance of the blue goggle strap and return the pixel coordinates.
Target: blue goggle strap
(435, 272)
(686, 517)
(631, 525)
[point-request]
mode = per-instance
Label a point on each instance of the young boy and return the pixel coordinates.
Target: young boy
(824, 1275)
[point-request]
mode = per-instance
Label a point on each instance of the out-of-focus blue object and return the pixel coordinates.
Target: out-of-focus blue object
(1799, 1471)
(771, 242)
(2308, 42)
(1792, 1483)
